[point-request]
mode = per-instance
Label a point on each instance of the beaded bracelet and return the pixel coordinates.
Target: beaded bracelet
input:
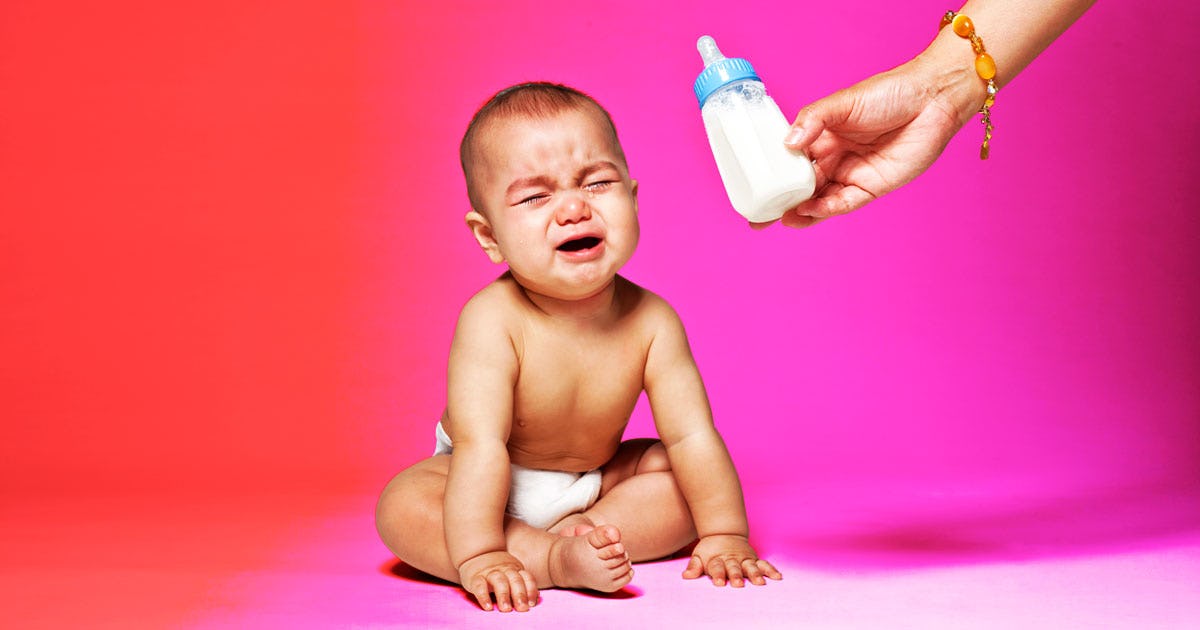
(985, 67)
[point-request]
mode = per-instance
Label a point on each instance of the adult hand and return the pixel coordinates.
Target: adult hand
(875, 136)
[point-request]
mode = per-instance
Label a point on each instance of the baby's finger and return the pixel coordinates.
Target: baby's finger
(752, 572)
(516, 586)
(483, 595)
(695, 568)
(499, 583)
(769, 570)
(716, 570)
(530, 587)
(734, 570)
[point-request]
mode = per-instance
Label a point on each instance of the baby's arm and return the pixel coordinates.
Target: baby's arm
(700, 461)
(481, 377)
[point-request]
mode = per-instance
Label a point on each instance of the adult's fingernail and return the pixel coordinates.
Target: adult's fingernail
(794, 135)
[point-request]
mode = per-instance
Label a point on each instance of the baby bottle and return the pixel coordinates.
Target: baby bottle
(745, 129)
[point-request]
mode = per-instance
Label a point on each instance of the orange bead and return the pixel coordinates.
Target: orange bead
(985, 67)
(963, 26)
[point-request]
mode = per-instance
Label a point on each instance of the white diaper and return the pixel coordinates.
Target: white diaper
(541, 497)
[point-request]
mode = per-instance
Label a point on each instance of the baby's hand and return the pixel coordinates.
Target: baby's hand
(729, 558)
(500, 573)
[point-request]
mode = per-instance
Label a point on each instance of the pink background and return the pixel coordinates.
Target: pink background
(234, 246)
(233, 249)
(1034, 315)
(233, 252)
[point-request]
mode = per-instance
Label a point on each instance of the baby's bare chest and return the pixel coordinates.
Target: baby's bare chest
(583, 378)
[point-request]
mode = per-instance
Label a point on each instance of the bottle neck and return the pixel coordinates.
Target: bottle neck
(743, 90)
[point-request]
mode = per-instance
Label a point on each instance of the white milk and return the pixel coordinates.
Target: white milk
(745, 131)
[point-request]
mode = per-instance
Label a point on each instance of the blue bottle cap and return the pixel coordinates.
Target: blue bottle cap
(718, 71)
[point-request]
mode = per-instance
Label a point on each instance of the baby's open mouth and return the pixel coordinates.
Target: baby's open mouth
(579, 244)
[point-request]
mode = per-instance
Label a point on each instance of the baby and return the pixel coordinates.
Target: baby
(531, 486)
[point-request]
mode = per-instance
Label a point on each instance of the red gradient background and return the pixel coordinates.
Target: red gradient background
(233, 250)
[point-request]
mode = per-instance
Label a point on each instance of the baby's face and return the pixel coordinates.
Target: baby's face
(560, 202)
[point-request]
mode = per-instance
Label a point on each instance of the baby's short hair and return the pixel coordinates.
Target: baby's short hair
(538, 99)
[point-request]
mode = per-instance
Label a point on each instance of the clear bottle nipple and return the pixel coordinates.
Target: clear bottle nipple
(719, 71)
(708, 50)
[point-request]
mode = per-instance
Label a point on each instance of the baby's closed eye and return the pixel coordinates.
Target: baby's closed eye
(534, 200)
(598, 186)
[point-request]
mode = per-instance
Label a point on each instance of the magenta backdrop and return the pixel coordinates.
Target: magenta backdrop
(1028, 318)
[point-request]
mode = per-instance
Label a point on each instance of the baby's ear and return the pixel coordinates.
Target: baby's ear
(481, 228)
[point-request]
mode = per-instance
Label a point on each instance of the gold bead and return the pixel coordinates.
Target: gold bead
(963, 26)
(985, 67)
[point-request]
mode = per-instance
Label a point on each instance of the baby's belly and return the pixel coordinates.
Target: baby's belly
(566, 457)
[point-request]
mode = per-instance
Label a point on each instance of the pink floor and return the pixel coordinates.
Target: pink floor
(905, 556)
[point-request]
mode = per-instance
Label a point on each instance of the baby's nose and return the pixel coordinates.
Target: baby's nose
(574, 209)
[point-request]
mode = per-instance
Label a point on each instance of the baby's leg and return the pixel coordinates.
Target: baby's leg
(638, 495)
(409, 519)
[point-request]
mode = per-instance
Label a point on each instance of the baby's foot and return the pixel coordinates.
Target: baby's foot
(596, 560)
